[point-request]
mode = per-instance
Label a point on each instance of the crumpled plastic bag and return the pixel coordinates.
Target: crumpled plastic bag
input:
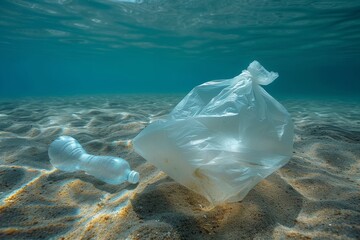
(223, 138)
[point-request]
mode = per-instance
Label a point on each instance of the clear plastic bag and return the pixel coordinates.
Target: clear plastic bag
(223, 138)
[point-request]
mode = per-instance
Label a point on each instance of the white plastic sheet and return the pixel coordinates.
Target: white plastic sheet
(223, 138)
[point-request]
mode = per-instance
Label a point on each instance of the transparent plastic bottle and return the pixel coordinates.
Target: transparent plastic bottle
(67, 154)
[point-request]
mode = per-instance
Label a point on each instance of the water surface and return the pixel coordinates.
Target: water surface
(57, 47)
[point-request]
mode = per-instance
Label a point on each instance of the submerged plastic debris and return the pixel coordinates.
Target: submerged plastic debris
(223, 138)
(68, 155)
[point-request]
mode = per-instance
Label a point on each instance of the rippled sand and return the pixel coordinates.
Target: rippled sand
(316, 195)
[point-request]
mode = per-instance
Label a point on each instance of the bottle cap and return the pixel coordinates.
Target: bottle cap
(133, 177)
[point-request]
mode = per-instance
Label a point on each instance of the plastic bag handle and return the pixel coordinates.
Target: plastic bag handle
(260, 75)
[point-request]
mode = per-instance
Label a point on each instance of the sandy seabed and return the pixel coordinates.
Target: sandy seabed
(315, 196)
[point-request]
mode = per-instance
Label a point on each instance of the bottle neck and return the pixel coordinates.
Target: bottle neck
(133, 177)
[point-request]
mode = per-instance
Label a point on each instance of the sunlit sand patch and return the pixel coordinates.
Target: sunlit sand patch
(11, 198)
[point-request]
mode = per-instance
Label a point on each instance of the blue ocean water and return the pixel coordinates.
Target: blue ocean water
(72, 47)
(68, 67)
